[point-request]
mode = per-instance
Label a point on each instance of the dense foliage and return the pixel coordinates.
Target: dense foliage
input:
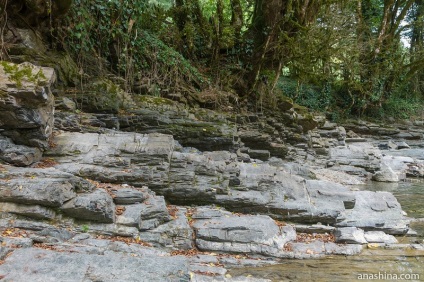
(360, 57)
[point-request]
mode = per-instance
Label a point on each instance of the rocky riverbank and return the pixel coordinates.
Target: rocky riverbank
(146, 189)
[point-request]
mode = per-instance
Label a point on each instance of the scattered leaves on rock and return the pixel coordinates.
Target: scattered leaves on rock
(119, 210)
(308, 238)
(280, 223)
(205, 273)
(45, 247)
(127, 240)
(288, 247)
(46, 163)
(189, 215)
(14, 232)
(172, 210)
(187, 253)
(3, 261)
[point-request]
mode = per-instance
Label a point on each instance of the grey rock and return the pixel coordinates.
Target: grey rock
(211, 270)
(203, 129)
(340, 177)
(342, 249)
(27, 104)
(398, 164)
(34, 211)
(379, 211)
(14, 242)
(35, 187)
(409, 135)
(243, 234)
(25, 265)
(314, 228)
(176, 233)
(54, 234)
(80, 237)
(191, 177)
(67, 122)
(355, 140)
(109, 229)
(392, 145)
(314, 249)
(18, 155)
(380, 237)
(350, 235)
(402, 145)
(153, 213)
(127, 196)
(27, 225)
(64, 103)
(262, 155)
(360, 154)
(131, 215)
(147, 215)
(102, 96)
(97, 206)
(4, 251)
(114, 149)
(328, 125)
(386, 174)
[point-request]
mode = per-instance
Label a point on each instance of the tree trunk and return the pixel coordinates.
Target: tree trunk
(236, 19)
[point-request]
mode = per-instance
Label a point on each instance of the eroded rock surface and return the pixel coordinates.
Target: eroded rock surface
(26, 111)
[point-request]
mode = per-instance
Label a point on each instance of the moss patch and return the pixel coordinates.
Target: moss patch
(157, 101)
(23, 73)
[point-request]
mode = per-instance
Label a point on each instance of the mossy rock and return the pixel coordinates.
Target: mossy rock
(66, 69)
(102, 96)
(307, 122)
(24, 75)
(153, 100)
(300, 109)
(284, 103)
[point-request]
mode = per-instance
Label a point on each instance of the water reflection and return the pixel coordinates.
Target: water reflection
(340, 268)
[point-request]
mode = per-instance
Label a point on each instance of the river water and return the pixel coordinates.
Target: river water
(377, 264)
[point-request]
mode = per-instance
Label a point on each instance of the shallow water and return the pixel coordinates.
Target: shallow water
(382, 264)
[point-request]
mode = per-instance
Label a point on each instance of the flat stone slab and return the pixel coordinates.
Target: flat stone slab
(40, 265)
(379, 237)
(33, 186)
(34, 211)
(127, 196)
(350, 235)
(226, 232)
(97, 206)
(375, 211)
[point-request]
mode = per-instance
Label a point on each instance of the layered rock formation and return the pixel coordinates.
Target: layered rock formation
(192, 190)
(26, 112)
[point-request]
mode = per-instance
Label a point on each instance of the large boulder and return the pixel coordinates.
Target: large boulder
(359, 154)
(379, 211)
(18, 155)
(386, 174)
(176, 233)
(26, 103)
(218, 230)
(146, 215)
(97, 206)
(32, 186)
